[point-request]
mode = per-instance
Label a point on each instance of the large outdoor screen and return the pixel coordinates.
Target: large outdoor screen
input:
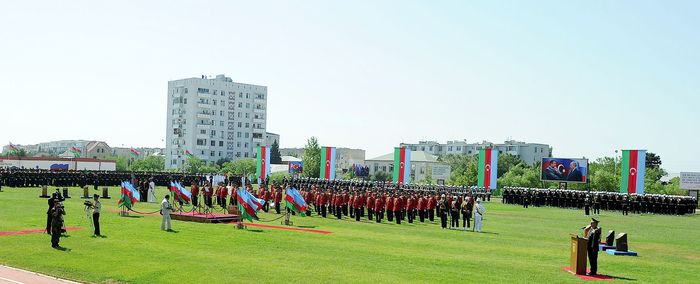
(564, 170)
(361, 170)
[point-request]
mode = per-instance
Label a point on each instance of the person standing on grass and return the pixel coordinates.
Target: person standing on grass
(442, 210)
(478, 214)
(592, 233)
(467, 208)
(165, 210)
(96, 208)
(151, 192)
(56, 223)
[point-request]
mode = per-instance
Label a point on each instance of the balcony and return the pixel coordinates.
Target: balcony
(258, 120)
(202, 147)
(203, 105)
(203, 115)
(177, 125)
(203, 126)
(203, 95)
(258, 130)
(177, 105)
(259, 140)
(202, 136)
(258, 110)
(259, 101)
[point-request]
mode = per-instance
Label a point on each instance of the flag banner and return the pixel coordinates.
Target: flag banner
(263, 166)
(134, 152)
(402, 165)
(248, 205)
(488, 168)
(327, 163)
(129, 195)
(295, 201)
(77, 151)
(13, 147)
(633, 165)
(296, 167)
(188, 153)
(180, 193)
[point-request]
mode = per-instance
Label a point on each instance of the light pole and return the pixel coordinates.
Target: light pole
(615, 162)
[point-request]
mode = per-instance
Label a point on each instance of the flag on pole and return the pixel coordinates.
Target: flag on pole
(327, 163)
(263, 167)
(188, 153)
(134, 152)
(180, 193)
(13, 147)
(402, 165)
(295, 201)
(129, 195)
(77, 151)
(248, 205)
(488, 168)
(633, 165)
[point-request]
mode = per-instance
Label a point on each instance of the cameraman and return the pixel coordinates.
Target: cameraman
(56, 223)
(96, 208)
(55, 197)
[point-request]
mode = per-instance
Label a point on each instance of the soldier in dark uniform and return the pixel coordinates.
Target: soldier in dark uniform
(442, 205)
(625, 205)
(592, 233)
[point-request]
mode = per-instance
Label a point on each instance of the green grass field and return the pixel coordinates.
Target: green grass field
(518, 245)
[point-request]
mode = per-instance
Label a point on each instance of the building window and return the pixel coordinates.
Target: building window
(449, 148)
(185, 98)
(221, 143)
(376, 167)
(220, 153)
(239, 135)
(247, 135)
(240, 95)
(229, 145)
(212, 153)
(246, 144)
(223, 103)
(247, 125)
(214, 102)
(240, 104)
(238, 144)
(246, 154)
(247, 115)
(238, 154)
(185, 90)
(201, 142)
(213, 142)
(247, 105)
(459, 148)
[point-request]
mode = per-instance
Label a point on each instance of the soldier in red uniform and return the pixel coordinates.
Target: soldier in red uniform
(370, 206)
(194, 189)
(344, 203)
(278, 200)
(357, 205)
(207, 192)
(378, 206)
(421, 209)
(398, 209)
(267, 198)
(409, 209)
(390, 208)
(223, 193)
(339, 206)
(432, 204)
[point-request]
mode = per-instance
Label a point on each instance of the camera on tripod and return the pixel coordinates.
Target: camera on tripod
(87, 203)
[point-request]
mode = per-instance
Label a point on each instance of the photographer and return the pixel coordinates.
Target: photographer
(56, 223)
(96, 208)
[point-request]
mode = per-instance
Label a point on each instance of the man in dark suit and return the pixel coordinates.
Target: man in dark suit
(552, 173)
(574, 172)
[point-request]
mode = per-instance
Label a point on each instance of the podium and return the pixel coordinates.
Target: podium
(578, 254)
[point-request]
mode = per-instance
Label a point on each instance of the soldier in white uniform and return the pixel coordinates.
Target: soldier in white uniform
(478, 213)
(165, 210)
(152, 192)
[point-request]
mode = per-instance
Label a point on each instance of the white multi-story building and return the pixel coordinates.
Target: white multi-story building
(528, 152)
(213, 119)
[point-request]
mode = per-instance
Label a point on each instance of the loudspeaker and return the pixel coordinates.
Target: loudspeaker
(621, 242)
(610, 238)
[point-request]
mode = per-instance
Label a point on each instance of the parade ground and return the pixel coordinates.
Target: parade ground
(517, 245)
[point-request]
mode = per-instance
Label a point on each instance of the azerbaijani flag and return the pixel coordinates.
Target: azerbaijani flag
(633, 165)
(134, 152)
(13, 147)
(180, 193)
(295, 201)
(327, 163)
(488, 168)
(402, 165)
(77, 151)
(129, 195)
(263, 167)
(248, 205)
(188, 153)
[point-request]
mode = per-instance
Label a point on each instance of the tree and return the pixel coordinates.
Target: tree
(653, 161)
(381, 176)
(222, 161)
(150, 164)
(121, 162)
(278, 177)
(240, 166)
(193, 165)
(275, 156)
(312, 158)
(505, 162)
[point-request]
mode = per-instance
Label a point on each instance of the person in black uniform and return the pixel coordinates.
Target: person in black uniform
(442, 205)
(592, 233)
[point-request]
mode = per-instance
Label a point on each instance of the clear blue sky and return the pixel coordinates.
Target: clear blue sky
(585, 77)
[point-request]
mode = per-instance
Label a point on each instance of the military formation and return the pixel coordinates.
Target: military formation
(38, 178)
(596, 201)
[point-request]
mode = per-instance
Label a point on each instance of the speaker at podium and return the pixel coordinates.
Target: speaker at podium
(621, 242)
(610, 238)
